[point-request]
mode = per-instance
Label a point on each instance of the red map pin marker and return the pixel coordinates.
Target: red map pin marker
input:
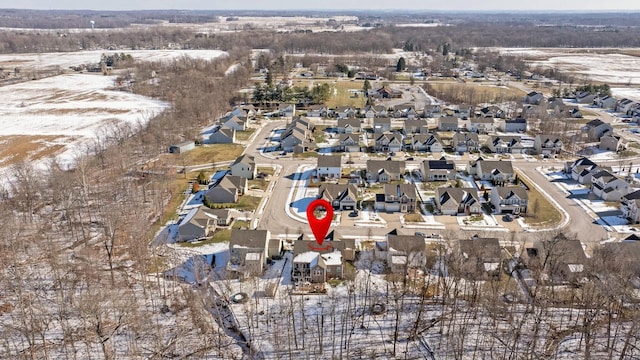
(320, 227)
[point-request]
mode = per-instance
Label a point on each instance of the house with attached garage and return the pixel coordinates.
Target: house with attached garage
(547, 144)
(384, 171)
(404, 111)
(596, 129)
(505, 144)
(293, 137)
(318, 111)
(344, 112)
(227, 190)
(341, 197)
(397, 198)
(497, 171)
(244, 166)
(513, 125)
(490, 112)
(199, 223)
(329, 166)
(581, 170)
(235, 123)
(448, 123)
(454, 201)
(584, 97)
(509, 199)
(624, 105)
(311, 265)
(248, 251)
(426, 142)
(609, 187)
(223, 135)
(373, 111)
(630, 205)
(349, 142)
(611, 143)
(560, 260)
(438, 170)
(478, 258)
(465, 142)
(287, 110)
(465, 111)
(432, 111)
(381, 125)
(349, 126)
(415, 125)
(482, 125)
(534, 98)
(388, 142)
(224, 216)
(402, 252)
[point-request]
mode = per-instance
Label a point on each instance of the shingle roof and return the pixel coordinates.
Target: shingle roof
(329, 161)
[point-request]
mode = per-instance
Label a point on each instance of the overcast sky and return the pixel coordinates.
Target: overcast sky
(456, 5)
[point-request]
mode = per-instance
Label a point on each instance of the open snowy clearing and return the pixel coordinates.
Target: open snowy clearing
(617, 66)
(70, 110)
(67, 59)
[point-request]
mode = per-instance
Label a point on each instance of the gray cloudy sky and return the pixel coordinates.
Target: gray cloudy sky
(326, 4)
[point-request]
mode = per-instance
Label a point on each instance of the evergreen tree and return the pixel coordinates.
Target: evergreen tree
(401, 65)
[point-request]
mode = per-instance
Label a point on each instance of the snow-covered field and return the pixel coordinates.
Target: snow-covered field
(75, 107)
(610, 68)
(67, 59)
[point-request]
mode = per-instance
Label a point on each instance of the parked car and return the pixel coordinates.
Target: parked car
(507, 218)
(353, 213)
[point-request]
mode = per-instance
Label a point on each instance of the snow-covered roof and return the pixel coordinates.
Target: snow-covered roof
(306, 257)
(332, 259)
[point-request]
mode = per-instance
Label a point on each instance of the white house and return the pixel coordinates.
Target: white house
(329, 166)
(244, 166)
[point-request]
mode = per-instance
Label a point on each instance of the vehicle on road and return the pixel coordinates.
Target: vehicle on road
(353, 214)
(507, 218)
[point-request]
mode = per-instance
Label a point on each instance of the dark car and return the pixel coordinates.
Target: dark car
(507, 218)
(410, 159)
(353, 214)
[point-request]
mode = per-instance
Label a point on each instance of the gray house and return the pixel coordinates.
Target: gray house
(384, 171)
(223, 135)
(248, 250)
(227, 190)
(200, 222)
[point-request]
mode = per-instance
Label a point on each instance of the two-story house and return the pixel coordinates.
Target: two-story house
(349, 142)
(504, 144)
(448, 123)
(630, 206)
(349, 125)
(427, 142)
(497, 171)
(438, 170)
(609, 187)
(341, 197)
(329, 166)
(547, 144)
(454, 201)
(509, 199)
(482, 125)
(244, 166)
(596, 129)
(465, 142)
(534, 98)
(397, 198)
(514, 125)
(381, 125)
(415, 126)
(478, 259)
(248, 251)
(227, 190)
(388, 142)
(384, 171)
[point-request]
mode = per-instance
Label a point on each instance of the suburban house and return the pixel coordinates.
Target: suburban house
(404, 111)
(199, 223)
(388, 142)
(386, 93)
(555, 105)
(560, 260)
(584, 97)
(415, 125)
(224, 216)
(290, 139)
(343, 112)
(244, 166)
(235, 123)
(534, 98)
(329, 166)
(438, 170)
(384, 171)
(624, 105)
(482, 125)
(349, 142)
(454, 201)
(448, 123)
(349, 126)
(596, 129)
(547, 144)
(397, 198)
(496, 171)
(576, 168)
(608, 187)
(318, 111)
(248, 251)
(630, 206)
(341, 197)
(465, 142)
(227, 190)
(373, 111)
(427, 142)
(182, 147)
(287, 110)
(513, 125)
(465, 111)
(490, 112)
(223, 135)
(431, 111)
(509, 199)
(402, 252)
(314, 265)
(381, 125)
(611, 143)
(504, 144)
(478, 258)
